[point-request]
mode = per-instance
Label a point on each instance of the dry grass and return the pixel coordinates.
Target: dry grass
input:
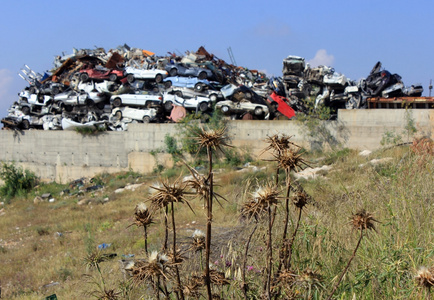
(398, 193)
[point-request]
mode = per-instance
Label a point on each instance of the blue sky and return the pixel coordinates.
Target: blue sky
(350, 36)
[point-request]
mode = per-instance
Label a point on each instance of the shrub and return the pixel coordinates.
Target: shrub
(16, 180)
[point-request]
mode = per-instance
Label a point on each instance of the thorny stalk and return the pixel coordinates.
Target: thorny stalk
(360, 221)
(210, 139)
(291, 241)
(346, 268)
(166, 229)
(208, 227)
(179, 291)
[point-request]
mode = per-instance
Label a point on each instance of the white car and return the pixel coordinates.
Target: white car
(196, 102)
(73, 98)
(154, 74)
(136, 99)
(102, 87)
(144, 115)
(231, 107)
(184, 92)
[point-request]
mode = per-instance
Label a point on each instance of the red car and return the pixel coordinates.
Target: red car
(282, 106)
(101, 74)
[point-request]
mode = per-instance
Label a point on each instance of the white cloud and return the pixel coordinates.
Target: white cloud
(5, 82)
(322, 58)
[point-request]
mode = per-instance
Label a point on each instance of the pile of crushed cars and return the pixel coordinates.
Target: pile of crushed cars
(110, 89)
(334, 89)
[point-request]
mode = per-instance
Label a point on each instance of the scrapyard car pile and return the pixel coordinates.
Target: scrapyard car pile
(334, 89)
(91, 88)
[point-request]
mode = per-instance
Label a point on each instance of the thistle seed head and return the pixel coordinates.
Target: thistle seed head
(211, 138)
(168, 193)
(363, 220)
(279, 143)
(425, 277)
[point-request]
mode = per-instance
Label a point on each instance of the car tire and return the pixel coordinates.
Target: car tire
(213, 97)
(130, 78)
(248, 95)
(90, 103)
(168, 105)
(179, 94)
(258, 111)
(225, 109)
(25, 124)
(158, 78)
(117, 102)
(202, 75)
(100, 105)
(203, 107)
(113, 77)
(167, 84)
(55, 90)
(146, 119)
(32, 90)
(84, 77)
(173, 72)
(118, 115)
(25, 110)
(199, 87)
(68, 108)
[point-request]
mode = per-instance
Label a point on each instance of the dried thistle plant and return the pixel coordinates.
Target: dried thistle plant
(300, 198)
(310, 280)
(198, 241)
(425, 277)
(212, 138)
(290, 159)
(100, 292)
(194, 283)
(142, 216)
(361, 221)
(201, 185)
(93, 259)
(278, 143)
(260, 200)
(168, 193)
(218, 278)
(157, 265)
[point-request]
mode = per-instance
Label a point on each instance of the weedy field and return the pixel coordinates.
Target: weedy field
(362, 228)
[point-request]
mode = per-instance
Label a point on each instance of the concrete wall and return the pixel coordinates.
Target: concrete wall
(67, 155)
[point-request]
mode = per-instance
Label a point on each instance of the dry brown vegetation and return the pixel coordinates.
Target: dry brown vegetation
(272, 236)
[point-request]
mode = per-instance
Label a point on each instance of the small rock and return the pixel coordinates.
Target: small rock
(133, 187)
(83, 201)
(37, 200)
(45, 196)
(51, 200)
(105, 200)
(365, 153)
(121, 190)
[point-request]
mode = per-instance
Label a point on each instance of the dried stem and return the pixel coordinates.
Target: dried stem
(291, 242)
(179, 291)
(208, 227)
(346, 268)
(166, 229)
(145, 228)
